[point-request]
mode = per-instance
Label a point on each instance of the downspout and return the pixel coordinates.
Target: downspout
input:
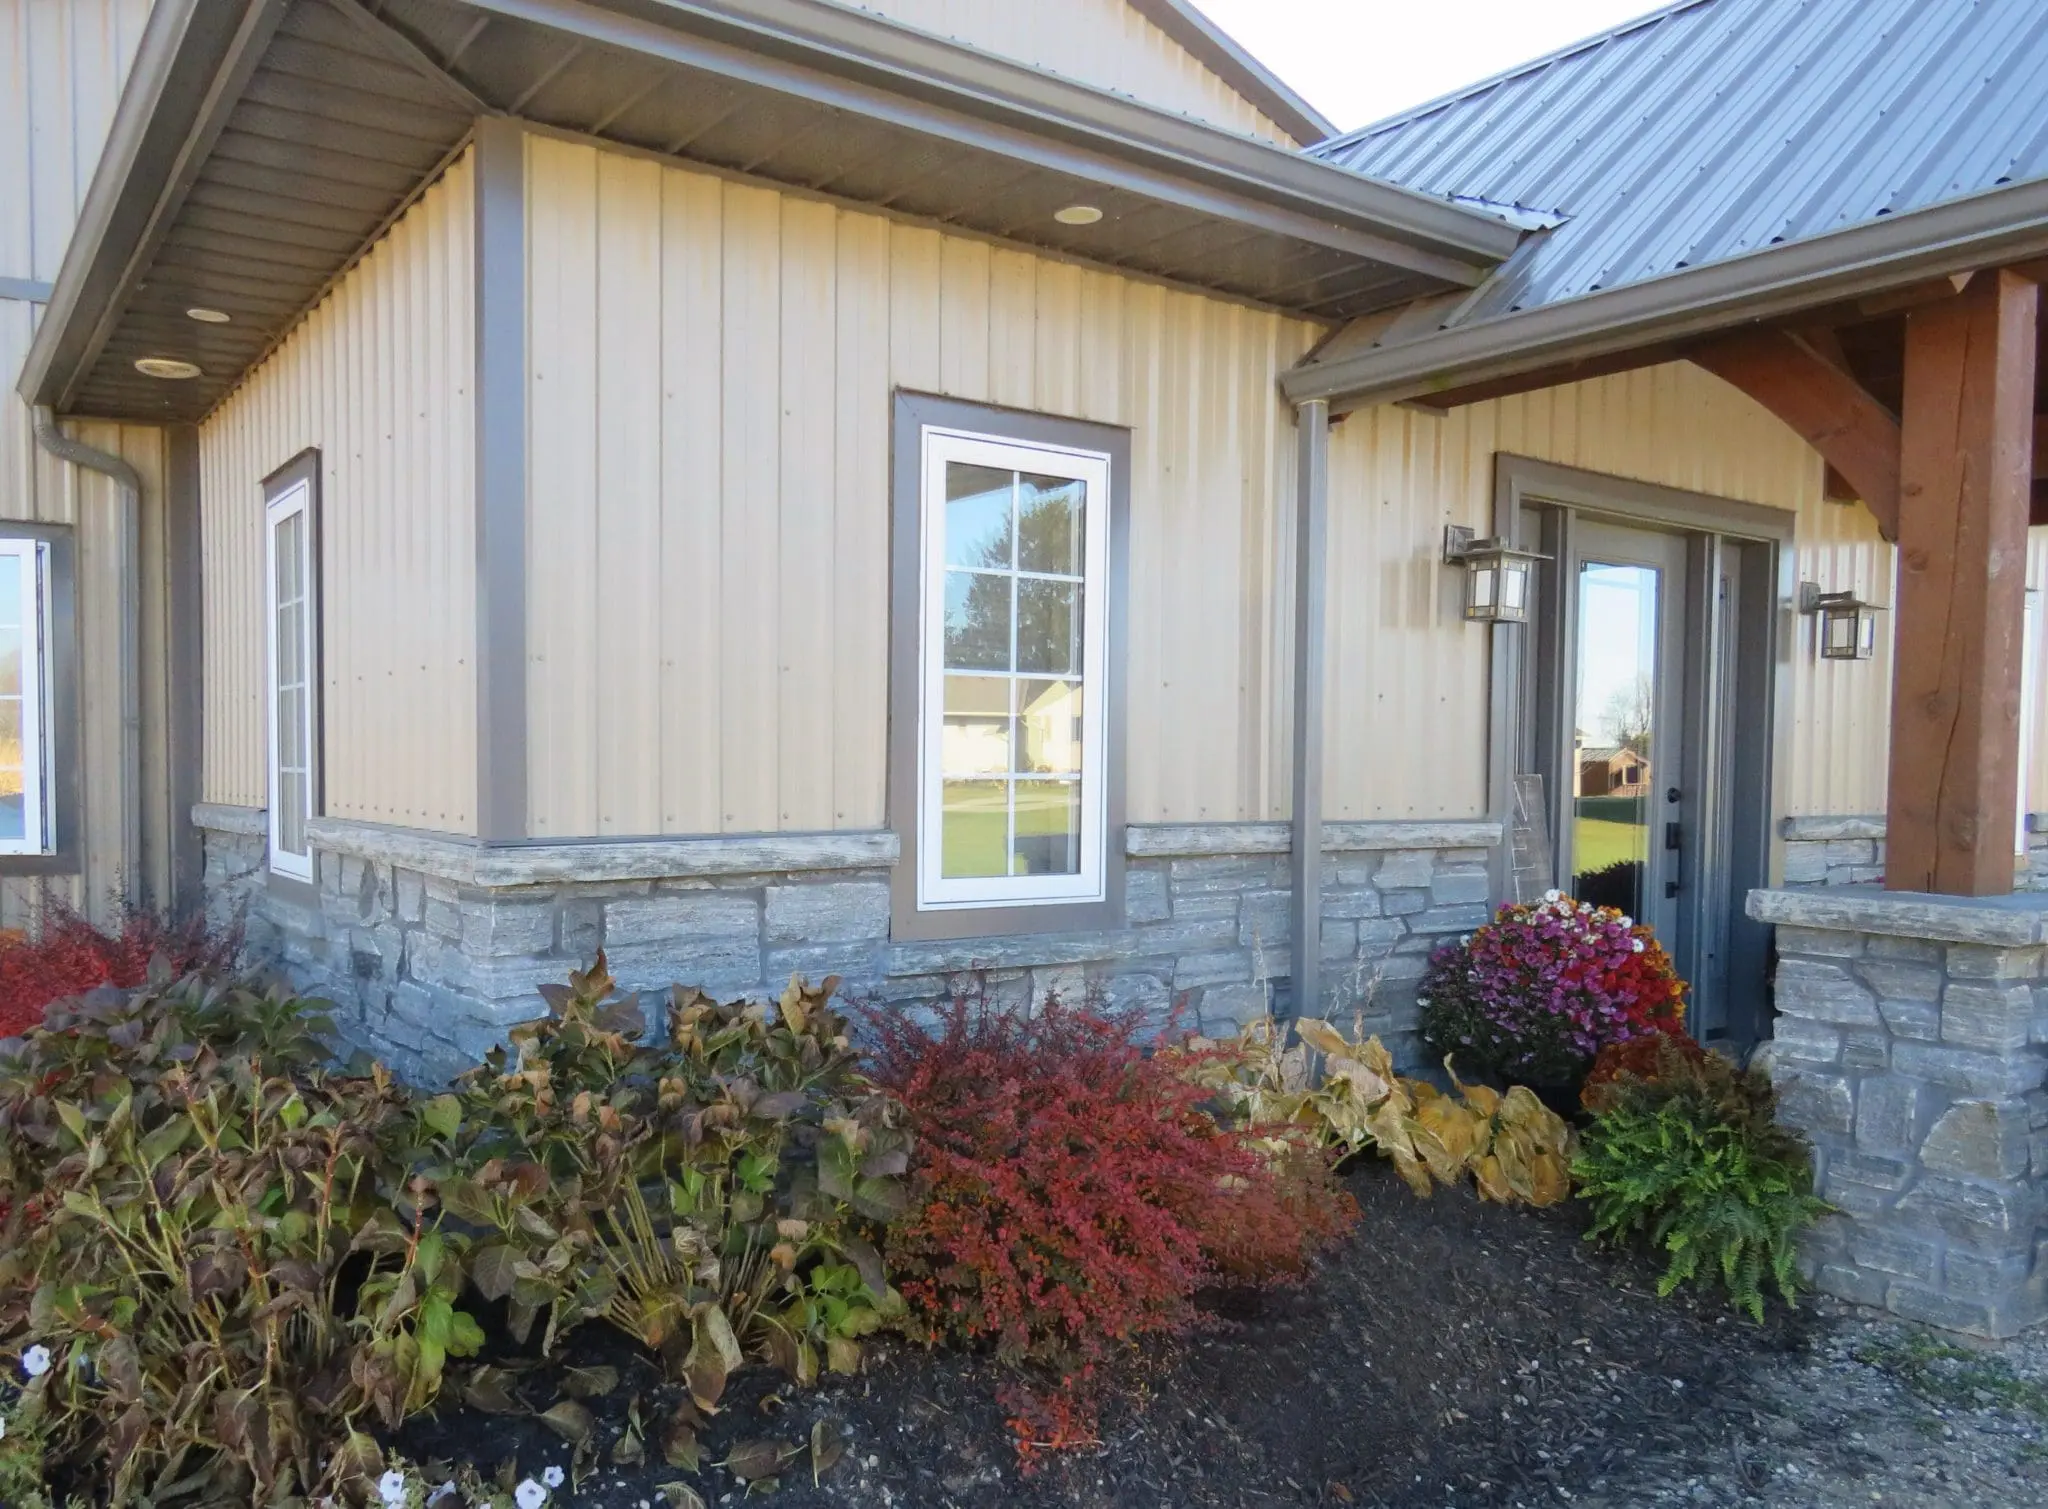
(1311, 530)
(125, 478)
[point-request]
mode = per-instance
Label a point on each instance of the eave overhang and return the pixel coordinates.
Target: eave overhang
(1996, 227)
(263, 145)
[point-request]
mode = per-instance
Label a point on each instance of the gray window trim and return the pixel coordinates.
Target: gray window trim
(67, 824)
(914, 411)
(304, 467)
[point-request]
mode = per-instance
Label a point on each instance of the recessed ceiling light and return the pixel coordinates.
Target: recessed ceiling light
(1077, 214)
(166, 367)
(208, 316)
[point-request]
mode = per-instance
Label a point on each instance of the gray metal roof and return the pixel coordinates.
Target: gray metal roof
(1717, 128)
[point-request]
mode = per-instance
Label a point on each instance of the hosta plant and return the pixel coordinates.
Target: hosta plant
(1690, 1160)
(1535, 994)
(710, 1193)
(1514, 1147)
(218, 1271)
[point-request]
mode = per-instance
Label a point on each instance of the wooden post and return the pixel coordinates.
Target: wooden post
(1965, 472)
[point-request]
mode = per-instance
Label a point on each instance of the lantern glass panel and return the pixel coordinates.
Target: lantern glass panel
(1514, 593)
(1481, 589)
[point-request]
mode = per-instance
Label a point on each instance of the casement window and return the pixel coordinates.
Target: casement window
(26, 636)
(292, 632)
(1010, 664)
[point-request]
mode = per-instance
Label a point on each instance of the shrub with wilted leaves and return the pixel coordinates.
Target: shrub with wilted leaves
(218, 1271)
(712, 1193)
(1516, 1149)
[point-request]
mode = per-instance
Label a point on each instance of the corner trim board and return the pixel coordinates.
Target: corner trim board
(501, 414)
(1311, 527)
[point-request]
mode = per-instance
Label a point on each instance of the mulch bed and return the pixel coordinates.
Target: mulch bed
(1452, 1352)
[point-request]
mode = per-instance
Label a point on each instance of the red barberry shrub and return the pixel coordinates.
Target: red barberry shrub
(70, 956)
(1071, 1193)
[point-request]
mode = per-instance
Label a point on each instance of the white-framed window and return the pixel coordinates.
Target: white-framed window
(293, 650)
(1012, 640)
(25, 620)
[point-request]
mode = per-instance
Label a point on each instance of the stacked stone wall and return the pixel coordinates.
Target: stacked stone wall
(1839, 851)
(1916, 1064)
(432, 948)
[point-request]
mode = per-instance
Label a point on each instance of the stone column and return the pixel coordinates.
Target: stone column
(1912, 1047)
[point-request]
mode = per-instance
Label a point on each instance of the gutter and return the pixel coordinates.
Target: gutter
(1999, 225)
(129, 484)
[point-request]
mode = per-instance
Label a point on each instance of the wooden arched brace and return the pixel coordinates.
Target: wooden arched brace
(1834, 413)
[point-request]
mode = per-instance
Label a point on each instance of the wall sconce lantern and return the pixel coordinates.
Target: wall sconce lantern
(1848, 625)
(1497, 576)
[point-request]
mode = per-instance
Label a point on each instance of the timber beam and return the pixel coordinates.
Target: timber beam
(1823, 402)
(1965, 476)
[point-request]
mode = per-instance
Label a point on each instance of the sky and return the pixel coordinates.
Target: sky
(1360, 60)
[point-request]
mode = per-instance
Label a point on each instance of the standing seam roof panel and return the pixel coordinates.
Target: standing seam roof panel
(1722, 127)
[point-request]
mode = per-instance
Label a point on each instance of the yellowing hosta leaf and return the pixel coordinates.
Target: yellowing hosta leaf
(1549, 1178)
(1414, 1174)
(1493, 1184)
(1322, 1037)
(1445, 1165)
(1457, 1129)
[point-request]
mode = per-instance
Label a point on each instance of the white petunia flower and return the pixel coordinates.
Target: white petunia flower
(1552, 895)
(3, 1427)
(391, 1488)
(552, 1477)
(1635, 945)
(530, 1495)
(1628, 922)
(36, 1361)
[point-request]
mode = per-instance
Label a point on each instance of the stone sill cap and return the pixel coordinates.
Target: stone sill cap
(2019, 920)
(469, 861)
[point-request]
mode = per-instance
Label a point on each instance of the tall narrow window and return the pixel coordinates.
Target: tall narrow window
(291, 597)
(1013, 644)
(24, 706)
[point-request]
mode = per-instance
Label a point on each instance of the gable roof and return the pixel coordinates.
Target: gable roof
(1219, 52)
(1714, 130)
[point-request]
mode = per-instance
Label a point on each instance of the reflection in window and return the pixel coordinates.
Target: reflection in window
(1614, 732)
(1016, 549)
(24, 715)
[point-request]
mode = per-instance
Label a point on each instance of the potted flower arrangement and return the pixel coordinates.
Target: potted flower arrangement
(1536, 994)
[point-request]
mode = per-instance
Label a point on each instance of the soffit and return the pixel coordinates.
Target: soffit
(267, 143)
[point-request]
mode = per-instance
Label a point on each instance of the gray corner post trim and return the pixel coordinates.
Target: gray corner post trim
(186, 672)
(912, 413)
(129, 484)
(501, 398)
(1311, 529)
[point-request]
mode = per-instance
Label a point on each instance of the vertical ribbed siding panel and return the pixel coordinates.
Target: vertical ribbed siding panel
(784, 326)
(807, 575)
(693, 478)
(1101, 42)
(1408, 678)
(379, 379)
(61, 71)
(626, 770)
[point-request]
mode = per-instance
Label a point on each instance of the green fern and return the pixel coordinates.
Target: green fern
(1673, 1170)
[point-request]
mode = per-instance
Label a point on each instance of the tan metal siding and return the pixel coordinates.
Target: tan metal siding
(62, 64)
(1101, 42)
(1407, 698)
(379, 378)
(708, 523)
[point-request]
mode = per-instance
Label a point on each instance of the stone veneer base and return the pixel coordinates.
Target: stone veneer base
(1850, 851)
(431, 946)
(1912, 1048)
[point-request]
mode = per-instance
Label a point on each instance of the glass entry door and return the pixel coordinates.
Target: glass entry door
(1624, 785)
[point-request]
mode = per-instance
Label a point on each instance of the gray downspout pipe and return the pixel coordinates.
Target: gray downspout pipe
(129, 482)
(1311, 531)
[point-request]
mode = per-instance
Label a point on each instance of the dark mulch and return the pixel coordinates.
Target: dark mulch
(1451, 1352)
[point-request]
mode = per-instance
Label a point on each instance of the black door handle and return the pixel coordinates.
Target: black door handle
(1671, 835)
